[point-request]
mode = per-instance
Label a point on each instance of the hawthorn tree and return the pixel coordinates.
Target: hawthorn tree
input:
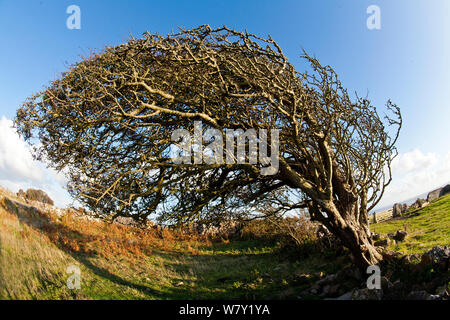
(107, 123)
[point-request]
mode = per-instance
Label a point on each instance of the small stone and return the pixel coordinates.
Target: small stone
(421, 295)
(391, 255)
(400, 235)
(383, 243)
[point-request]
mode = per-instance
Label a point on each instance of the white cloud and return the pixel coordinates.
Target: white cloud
(413, 161)
(16, 163)
(18, 169)
(415, 173)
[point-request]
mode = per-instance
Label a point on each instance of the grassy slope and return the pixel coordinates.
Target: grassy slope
(36, 247)
(427, 227)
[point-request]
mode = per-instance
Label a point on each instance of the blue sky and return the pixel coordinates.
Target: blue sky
(407, 60)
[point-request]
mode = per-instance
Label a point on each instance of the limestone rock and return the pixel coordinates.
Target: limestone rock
(419, 203)
(397, 210)
(436, 194)
(35, 195)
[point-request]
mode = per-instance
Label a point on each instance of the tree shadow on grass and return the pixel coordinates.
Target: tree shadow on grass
(33, 218)
(215, 285)
(245, 275)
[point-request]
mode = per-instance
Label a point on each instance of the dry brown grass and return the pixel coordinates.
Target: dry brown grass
(27, 260)
(38, 243)
(33, 234)
(79, 234)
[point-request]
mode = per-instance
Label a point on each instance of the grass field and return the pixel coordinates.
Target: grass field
(426, 228)
(117, 262)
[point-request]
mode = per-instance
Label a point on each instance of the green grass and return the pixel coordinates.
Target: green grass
(426, 228)
(33, 267)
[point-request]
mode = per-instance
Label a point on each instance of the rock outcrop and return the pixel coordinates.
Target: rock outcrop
(35, 195)
(436, 194)
(398, 209)
(419, 203)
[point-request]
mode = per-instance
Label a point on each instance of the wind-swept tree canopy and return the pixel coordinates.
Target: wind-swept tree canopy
(108, 123)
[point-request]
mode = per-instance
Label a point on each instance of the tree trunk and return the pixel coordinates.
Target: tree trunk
(357, 240)
(355, 235)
